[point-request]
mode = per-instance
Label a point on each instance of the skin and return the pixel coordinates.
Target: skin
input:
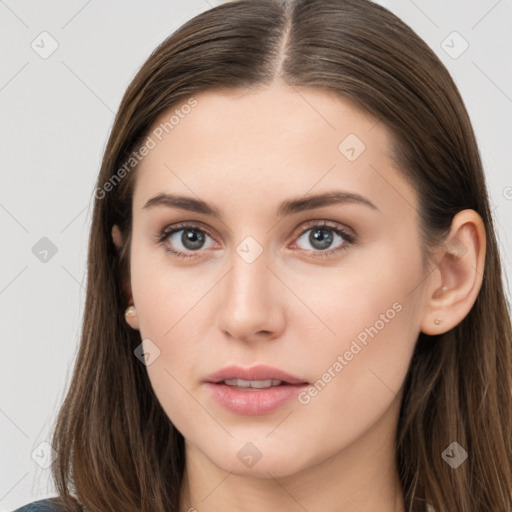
(245, 152)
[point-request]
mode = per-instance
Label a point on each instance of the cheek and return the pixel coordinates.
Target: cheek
(372, 290)
(361, 376)
(164, 294)
(171, 309)
(373, 315)
(169, 305)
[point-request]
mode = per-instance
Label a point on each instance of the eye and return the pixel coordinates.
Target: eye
(322, 236)
(191, 238)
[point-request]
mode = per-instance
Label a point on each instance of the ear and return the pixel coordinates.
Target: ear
(117, 237)
(457, 278)
(131, 317)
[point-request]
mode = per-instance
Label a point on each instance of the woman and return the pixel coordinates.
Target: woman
(294, 295)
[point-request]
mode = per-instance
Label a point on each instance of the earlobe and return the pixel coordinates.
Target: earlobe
(457, 279)
(130, 316)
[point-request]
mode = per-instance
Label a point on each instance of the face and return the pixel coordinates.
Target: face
(329, 293)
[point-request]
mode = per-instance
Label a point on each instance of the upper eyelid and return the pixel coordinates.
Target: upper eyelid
(173, 228)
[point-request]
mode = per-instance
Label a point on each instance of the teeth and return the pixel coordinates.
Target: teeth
(253, 383)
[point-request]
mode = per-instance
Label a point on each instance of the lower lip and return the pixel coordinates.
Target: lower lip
(254, 402)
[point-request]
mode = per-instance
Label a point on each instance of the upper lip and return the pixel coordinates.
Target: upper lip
(258, 372)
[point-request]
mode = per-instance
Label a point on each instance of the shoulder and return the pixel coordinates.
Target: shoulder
(47, 505)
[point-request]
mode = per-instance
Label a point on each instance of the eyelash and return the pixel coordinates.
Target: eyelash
(170, 230)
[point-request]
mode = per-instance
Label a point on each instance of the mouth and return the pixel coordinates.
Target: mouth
(242, 384)
(256, 377)
(253, 391)
(256, 385)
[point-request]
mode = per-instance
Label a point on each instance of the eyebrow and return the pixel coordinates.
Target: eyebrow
(287, 207)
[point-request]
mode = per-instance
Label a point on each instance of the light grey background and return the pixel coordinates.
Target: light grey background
(56, 114)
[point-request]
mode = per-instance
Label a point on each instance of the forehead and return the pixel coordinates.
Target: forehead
(279, 140)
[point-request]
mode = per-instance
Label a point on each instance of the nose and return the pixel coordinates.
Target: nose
(252, 302)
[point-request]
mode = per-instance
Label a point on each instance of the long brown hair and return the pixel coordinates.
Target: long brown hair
(118, 451)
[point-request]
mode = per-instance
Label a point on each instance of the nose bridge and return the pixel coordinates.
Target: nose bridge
(248, 303)
(249, 276)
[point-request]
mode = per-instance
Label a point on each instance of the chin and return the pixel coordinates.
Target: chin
(264, 462)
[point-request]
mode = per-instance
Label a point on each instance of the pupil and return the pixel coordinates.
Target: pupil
(316, 237)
